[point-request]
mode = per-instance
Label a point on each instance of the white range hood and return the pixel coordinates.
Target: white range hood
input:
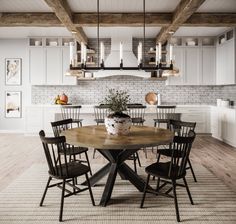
(129, 59)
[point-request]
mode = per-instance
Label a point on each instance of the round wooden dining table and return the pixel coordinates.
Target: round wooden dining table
(117, 149)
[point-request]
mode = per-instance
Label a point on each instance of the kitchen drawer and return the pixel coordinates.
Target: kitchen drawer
(193, 117)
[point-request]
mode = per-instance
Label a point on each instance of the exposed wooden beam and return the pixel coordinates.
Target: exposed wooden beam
(122, 19)
(64, 14)
(183, 11)
(211, 20)
(117, 19)
(30, 19)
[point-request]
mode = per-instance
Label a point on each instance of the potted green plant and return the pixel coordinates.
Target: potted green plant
(117, 123)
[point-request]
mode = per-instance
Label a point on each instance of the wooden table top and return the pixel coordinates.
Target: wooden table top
(97, 137)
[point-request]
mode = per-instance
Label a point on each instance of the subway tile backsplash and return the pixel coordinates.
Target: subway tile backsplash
(93, 92)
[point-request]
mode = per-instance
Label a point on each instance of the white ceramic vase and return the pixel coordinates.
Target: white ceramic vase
(118, 125)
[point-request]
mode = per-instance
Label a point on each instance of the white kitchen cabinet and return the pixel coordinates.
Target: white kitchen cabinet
(53, 66)
(192, 66)
(48, 63)
(40, 118)
(33, 120)
(179, 63)
(223, 124)
(196, 65)
(225, 68)
(208, 62)
(37, 66)
(200, 115)
(67, 80)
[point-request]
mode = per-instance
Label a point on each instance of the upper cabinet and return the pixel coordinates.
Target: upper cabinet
(225, 59)
(195, 58)
(49, 61)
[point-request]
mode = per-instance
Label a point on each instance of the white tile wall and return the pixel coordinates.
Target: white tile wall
(93, 92)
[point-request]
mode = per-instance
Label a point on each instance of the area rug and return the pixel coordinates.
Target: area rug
(19, 202)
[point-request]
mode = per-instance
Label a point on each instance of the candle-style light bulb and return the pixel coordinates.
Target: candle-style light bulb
(121, 51)
(157, 55)
(102, 51)
(71, 53)
(159, 51)
(171, 53)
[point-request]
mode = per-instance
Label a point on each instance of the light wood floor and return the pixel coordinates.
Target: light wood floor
(18, 153)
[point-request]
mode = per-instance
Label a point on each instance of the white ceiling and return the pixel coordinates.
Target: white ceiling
(106, 32)
(24, 6)
(200, 31)
(23, 32)
(218, 6)
(123, 5)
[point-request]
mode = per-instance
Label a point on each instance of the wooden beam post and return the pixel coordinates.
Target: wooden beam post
(182, 12)
(64, 14)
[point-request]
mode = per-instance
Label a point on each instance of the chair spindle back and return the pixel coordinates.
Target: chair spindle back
(100, 112)
(57, 161)
(162, 111)
(182, 128)
(182, 146)
(59, 126)
(137, 113)
(71, 112)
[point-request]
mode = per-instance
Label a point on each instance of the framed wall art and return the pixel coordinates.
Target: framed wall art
(13, 104)
(13, 71)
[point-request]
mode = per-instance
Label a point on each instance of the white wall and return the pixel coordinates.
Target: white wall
(10, 48)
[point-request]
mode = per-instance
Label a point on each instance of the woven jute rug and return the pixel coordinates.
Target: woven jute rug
(19, 202)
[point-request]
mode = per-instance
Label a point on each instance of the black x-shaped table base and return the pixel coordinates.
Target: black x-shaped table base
(116, 165)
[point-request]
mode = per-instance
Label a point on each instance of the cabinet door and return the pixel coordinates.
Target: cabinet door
(53, 66)
(192, 65)
(179, 63)
(208, 66)
(230, 62)
(225, 68)
(229, 126)
(67, 80)
(37, 66)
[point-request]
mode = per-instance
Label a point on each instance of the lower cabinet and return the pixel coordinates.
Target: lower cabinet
(223, 124)
(40, 118)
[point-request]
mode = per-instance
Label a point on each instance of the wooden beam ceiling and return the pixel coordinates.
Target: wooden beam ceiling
(183, 11)
(64, 14)
(116, 19)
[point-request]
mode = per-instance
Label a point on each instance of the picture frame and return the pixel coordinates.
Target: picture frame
(13, 72)
(13, 104)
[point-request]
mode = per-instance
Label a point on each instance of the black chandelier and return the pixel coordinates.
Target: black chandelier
(101, 66)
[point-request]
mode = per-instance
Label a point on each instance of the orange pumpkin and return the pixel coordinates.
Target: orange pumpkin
(64, 98)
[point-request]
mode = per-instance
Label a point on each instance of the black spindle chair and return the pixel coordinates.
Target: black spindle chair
(63, 169)
(163, 113)
(171, 171)
(72, 151)
(136, 113)
(100, 112)
(180, 128)
(72, 112)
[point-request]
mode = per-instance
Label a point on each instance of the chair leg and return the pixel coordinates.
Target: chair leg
(145, 191)
(139, 163)
(158, 184)
(94, 151)
(90, 190)
(45, 191)
(176, 202)
(191, 168)
(62, 200)
(188, 191)
(135, 165)
(90, 171)
(145, 151)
